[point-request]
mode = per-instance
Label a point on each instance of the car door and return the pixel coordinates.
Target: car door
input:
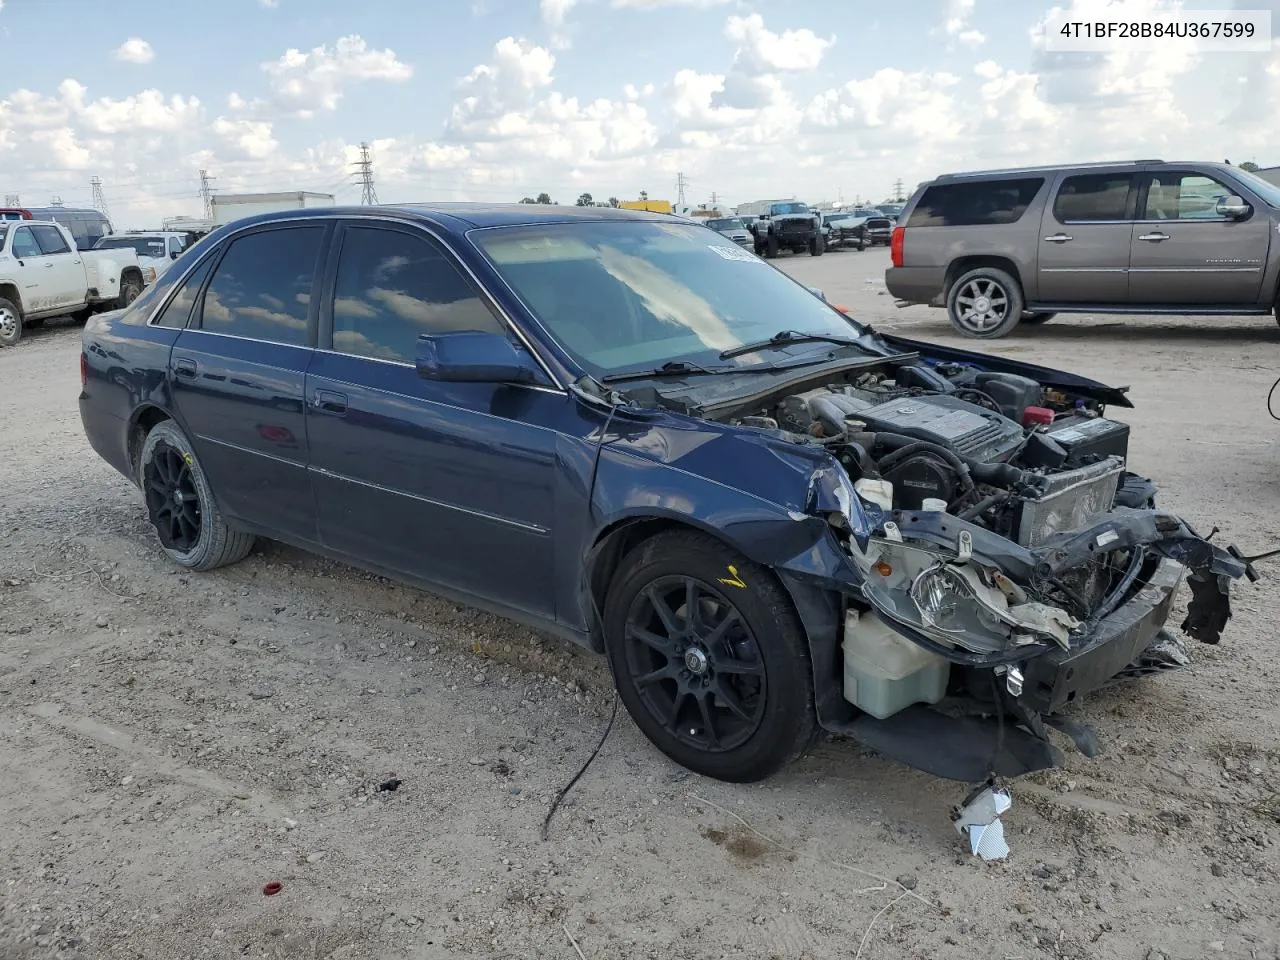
(1184, 252)
(32, 271)
(1085, 239)
(449, 482)
(63, 279)
(238, 375)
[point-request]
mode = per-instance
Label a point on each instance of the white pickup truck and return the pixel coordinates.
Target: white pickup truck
(42, 275)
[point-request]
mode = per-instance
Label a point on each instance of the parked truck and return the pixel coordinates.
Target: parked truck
(43, 275)
(235, 206)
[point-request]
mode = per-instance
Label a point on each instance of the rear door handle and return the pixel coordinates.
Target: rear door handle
(183, 367)
(1058, 238)
(1154, 237)
(327, 401)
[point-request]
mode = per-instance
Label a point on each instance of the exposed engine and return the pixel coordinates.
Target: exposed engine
(995, 449)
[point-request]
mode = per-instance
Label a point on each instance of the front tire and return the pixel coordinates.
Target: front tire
(817, 246)
(985, 303)
(709, 657)
(180, 503)
(771, 247)
(10, 323)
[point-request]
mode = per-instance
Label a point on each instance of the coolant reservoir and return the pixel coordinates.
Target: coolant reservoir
(879, 492)
(934, 505)
(884, 671)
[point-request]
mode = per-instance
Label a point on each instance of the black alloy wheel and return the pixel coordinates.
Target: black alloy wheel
(695, 663)
(173, 501)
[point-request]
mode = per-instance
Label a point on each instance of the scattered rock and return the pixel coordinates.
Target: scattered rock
(1022, 907)
(907, 881)
(1216, 869)
(261, 693)
(290, 824)
(479, 678)
(1217, 946)
(100, 622)
(126, 780)
(315, 857)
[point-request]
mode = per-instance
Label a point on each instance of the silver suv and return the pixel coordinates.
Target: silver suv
(1003, 247)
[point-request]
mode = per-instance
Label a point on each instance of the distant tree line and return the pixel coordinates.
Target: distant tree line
(584, 200)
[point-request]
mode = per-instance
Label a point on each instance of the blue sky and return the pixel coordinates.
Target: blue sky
(496, 99)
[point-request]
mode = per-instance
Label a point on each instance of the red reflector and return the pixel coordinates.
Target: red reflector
(896, 240)
(841, 308)
(1037, 415)
(84, 370)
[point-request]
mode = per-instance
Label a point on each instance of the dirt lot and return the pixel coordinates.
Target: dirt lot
(169, 743)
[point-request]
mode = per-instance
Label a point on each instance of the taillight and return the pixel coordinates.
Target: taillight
(895, 245)
(84, 370)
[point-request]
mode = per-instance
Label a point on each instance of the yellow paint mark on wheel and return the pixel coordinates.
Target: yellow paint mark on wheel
(188, 459)
(733, 580)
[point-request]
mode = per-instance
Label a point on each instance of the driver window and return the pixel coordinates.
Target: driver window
(24, 245)
(1184, 196)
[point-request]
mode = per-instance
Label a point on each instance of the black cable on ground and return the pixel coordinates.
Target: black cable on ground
(1271, 393)
(555, 804)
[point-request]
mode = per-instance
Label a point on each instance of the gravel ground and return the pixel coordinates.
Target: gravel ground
(169, 743)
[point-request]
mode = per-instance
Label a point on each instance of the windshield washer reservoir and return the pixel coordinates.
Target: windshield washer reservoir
(885, 672)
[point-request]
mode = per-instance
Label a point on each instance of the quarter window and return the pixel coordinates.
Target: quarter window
(1183, 196)
(392, 288)
(50, 240)
(24, 244)
(178, 310)
(261, 290)
(972, 203)
(1101, 196)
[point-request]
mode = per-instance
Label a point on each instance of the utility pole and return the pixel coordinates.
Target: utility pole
(681, 183)
(714, 205)
(364, 166)
(206, 193)
(99, 200)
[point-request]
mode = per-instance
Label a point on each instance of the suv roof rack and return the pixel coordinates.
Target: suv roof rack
(1043, 168)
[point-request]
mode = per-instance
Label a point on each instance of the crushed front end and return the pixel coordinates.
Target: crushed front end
(999, 562)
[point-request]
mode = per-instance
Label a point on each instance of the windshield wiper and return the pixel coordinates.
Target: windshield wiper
(673, 368)
(784, 337)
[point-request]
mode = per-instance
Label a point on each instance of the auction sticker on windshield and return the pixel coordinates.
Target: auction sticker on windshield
(734, 253)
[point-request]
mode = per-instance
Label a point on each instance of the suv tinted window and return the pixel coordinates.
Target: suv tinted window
(1095, 196)
(1183, 196)
(973, 204)
(178, 310)
(392, 287)
(262, 287)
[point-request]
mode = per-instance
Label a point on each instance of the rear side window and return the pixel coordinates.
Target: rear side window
(392, 288)
(178, 311)
(50, 240)
(261, 290)
(1095, 196)
(973, 204)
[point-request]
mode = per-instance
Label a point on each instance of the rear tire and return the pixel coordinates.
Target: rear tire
(726, 692)
(130, 290)
(10, 323)
(770, 247)
(180, 503)
(985, 303)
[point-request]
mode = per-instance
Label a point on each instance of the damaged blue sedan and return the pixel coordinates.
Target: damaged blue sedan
(630, 431)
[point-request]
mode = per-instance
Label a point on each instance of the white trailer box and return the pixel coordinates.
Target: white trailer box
(233, 206)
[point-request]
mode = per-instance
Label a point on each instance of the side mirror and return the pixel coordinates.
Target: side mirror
(473, 357)
(173, 255)
(1232, 207)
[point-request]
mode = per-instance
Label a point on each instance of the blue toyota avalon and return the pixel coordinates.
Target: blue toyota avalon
(630, 431)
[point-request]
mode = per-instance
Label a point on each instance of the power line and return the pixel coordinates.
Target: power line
(368, 195)
(99, 198)
(206, 193)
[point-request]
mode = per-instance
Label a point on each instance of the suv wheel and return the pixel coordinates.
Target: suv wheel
(984, 303)
(771, 246)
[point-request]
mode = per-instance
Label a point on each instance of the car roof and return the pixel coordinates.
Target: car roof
(1101, 165)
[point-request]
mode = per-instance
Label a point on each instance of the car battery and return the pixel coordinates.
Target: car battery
(1089, 439)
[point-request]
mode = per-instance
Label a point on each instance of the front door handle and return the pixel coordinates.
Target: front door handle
(327, 401)
(48, 266)
(183, 367)
(1058, 238)
(1154, 237)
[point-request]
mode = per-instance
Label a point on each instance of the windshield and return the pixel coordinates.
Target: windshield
(727, 224)
(782, 208)
(143, 246)
(631, 296)
(1267, 191)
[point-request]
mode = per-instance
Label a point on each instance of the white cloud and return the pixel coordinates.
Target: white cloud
(269, 4)
(135, 50)
(252, 138)
(762, 51)
(554, 12)
(304, 83)
(972, 38)
(958, 14)
(655, 4)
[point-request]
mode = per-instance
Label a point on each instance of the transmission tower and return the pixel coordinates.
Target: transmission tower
(681, 183)
(897, 190)
(364, 174)
(206, 193)
(99, 199)
(12, 200)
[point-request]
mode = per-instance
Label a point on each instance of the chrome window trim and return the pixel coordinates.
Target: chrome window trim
(541, 387)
